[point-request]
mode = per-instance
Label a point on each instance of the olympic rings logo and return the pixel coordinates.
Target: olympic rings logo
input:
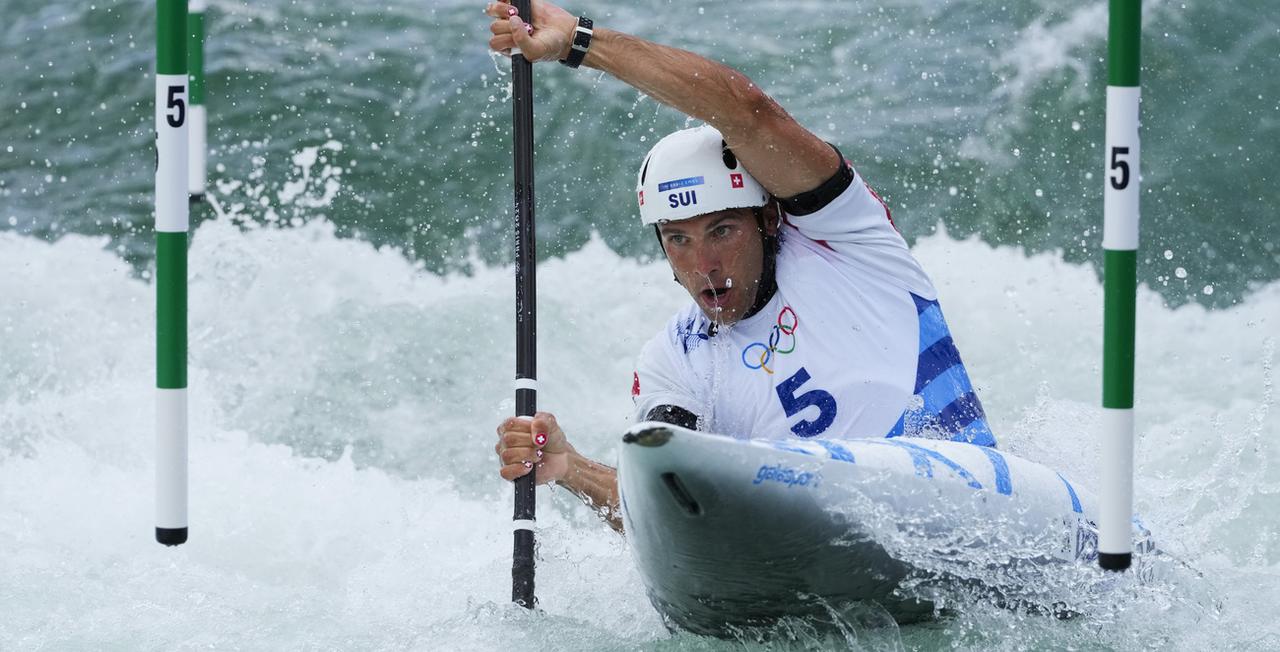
(758, 355)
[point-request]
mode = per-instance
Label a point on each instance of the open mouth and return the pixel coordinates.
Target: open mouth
(716, 296)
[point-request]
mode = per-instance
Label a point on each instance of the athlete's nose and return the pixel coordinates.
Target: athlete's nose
(706, 259)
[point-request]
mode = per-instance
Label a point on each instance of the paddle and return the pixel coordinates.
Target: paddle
(526, 315)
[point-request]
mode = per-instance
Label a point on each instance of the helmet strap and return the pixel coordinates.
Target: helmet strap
(768, 277)
(658, 232)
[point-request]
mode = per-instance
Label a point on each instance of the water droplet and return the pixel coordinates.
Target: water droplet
(1208, 289)
(1168, 255)
(1180, 272)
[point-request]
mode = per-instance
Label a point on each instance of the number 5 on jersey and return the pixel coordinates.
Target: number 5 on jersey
(793, 404)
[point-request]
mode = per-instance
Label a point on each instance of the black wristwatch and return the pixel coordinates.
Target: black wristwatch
(581, 41)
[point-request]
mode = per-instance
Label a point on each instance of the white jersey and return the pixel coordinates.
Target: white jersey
(852, 344)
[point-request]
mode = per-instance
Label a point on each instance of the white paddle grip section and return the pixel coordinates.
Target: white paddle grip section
(171, 458)
(527, 383)
(196, 151)
(1121, 186)
(172, 117)
(524, 524)
(1115, 513)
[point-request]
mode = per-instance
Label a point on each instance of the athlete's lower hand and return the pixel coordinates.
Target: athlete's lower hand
(549, 38)
(528, 442)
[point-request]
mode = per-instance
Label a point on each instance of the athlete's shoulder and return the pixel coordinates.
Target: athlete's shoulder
(664, 372)
(855, 233)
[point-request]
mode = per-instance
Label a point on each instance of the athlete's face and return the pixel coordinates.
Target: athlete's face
(719, 259)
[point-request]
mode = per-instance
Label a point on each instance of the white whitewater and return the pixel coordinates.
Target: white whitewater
(344, 492)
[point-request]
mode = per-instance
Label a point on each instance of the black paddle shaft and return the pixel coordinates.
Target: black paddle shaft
(526, 312)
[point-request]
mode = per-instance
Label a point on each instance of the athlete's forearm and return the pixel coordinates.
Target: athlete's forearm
(784, 156)
(597, 485)
(695, 85)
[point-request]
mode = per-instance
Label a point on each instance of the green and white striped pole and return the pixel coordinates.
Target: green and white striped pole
(195, 59)
(1120, 242)
(171, 271)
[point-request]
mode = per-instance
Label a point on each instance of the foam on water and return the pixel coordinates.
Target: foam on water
(343, 488)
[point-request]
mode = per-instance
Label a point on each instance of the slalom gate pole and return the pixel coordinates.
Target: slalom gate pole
(196, 176)
(1120, 242)
(526, 384)
(171, 271)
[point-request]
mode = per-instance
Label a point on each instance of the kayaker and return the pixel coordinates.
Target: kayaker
(809, 316)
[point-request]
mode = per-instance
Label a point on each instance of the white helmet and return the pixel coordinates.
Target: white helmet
(692, 172)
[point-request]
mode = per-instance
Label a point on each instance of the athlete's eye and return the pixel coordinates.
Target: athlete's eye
(722, 230)
(677, 239)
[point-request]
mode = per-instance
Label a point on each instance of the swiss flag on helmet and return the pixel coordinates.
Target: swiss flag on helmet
(736, 179)
(635, 384)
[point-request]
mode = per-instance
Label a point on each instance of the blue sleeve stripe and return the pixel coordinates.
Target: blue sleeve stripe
(932, 327)
(928, 454)
(978, 433)
(960, 413)
(922, 304)
(1004, 484)
(948, 401)
(939, 357)
(949, 387)
(837, 451)
(900, 427)
(1075, 500)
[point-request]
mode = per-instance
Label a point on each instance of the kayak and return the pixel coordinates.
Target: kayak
(731, 533)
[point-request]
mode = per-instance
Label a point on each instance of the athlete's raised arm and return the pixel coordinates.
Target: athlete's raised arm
(780, 153)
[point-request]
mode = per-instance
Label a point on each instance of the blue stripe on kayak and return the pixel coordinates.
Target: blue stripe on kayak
(923, 468)
(794, 449)
(837, 451)
(939, 357)
(1075, 500)
(926, 453)
(1004, 484)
